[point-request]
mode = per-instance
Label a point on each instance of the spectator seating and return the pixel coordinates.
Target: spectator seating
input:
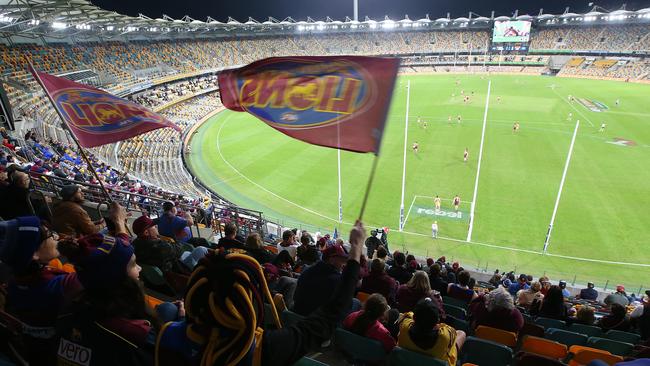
(614, 347)
(496, 335)
(401, 356)
(544, 347)
(581, 356)
(357, 348)
(484, 352)
(566, 337)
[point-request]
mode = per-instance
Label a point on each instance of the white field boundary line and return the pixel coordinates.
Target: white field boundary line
(409, 212)
(478, 169)
(259, 186)
(574, 108)
(559, 192)
(406, 132)
(500, 247)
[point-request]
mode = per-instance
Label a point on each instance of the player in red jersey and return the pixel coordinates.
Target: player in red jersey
(415, 147)
(456, 202)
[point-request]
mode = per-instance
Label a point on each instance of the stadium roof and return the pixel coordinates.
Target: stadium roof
(80, 19)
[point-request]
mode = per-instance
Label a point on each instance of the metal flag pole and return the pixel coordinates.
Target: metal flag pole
(74, 138)
(370, 179)
(338, 158)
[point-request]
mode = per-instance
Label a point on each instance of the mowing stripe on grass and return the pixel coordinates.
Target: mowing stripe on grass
(406, 132)
(559, 192)
(574, 108)
(257, 185)
(478, 169)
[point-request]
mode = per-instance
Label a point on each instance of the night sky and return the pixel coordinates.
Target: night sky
(338, 9)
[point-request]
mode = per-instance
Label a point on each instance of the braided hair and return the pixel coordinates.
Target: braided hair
(225, 307)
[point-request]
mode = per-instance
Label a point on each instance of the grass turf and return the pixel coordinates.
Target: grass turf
(602, 214)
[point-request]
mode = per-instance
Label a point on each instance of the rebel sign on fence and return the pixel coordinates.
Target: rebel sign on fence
(332, 101)
(96, 117)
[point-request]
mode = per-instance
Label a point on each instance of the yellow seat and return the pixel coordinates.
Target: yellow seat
(583, 355)
(544, 347)
(496, 335)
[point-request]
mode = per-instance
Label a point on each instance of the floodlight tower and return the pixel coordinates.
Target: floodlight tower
(355, 5)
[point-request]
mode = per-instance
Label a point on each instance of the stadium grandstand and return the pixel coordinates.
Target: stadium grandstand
(123, 254)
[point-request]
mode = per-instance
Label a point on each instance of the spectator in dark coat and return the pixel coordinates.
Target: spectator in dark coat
(255, 248)
(552, 306)
(399, 270)
(15, 195)
(589, 293)
(317, 284)
(617, 319)
(378, 281)
(307, 254)
(436, 281)
(229, 240)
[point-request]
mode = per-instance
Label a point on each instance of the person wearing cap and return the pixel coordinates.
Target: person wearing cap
(589, 293)
(69, 218)
(618, 297)
(318, 282)
(15, 195)
(565, 292)
(150, 249)
(422, 332)
(173, 226)
(521, 284)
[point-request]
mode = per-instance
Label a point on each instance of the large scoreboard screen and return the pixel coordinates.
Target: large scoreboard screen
(511, 31)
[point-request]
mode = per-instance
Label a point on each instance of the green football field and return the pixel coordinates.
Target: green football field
(601, 229)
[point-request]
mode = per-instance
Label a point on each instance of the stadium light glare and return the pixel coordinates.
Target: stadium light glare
(590, 19)
(300, 28)
(34, 22)
(59, 25)
(5, 19)
(388, 24)
(321, 27)
(354, 26)
(373, 25)
(110, 28)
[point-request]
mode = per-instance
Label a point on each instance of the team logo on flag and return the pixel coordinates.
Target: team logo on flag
(322, 94)
(98, 112)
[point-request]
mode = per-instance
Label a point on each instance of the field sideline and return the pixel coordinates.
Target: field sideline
(602, 215)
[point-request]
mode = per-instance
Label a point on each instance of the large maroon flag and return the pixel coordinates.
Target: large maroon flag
(332, 101)
(96, 117)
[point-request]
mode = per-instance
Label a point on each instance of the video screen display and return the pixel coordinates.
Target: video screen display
(511, 31)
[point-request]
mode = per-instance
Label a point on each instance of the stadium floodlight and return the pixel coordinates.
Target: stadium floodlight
(82, 26)
(5, 19)
(320, 27)
(300, 28)
(589, 19)
(34, 22)
(354, 26)
(110, 28)
(59, 25)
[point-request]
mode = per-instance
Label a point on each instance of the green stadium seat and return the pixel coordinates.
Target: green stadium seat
(627, 337)
(588, 330)
(566, 337)
(614, 347)
(455, 311)
(483, 352)
(459, 324)
(306, 361)
(403, 357)
(290, 318)
(551, 323)
(357, 348)
(455, 302)
(153, 278)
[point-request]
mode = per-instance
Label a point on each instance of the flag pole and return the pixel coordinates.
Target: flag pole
(370, 179)
(74, 138)
(338, 163)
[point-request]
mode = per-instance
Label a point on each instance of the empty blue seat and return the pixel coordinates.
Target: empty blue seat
(550, 323)
(588, 330)
(614, 347)
(483, 352)
(357, 348)
(403, 357)
(455, 311)
(627, 337)
(566, 337)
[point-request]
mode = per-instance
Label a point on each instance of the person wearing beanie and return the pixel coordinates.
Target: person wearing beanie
(69, 218)
(111, 319)
(150, 249)
(422, 332)
(36, 293)
(618, 297)
(218, 333)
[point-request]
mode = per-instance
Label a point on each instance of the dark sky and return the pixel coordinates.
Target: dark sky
(338, 9)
